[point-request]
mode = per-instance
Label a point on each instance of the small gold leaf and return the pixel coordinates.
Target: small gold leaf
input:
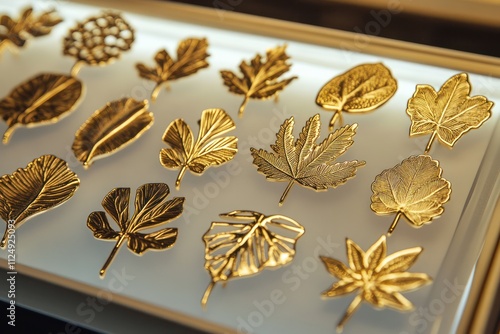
(111, 128)
(45, 183)
(361, 89)
(246, 247)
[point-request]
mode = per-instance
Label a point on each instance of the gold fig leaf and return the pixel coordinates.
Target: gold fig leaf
(246, 247)
(110, 128)
(41, 100)
(361, 89)
(151, 210)
(206, 151)
(448, 113)
(191, 57)
(45, 183)
(414, 188)
(260, 78)
(305, 162)
(377, 278)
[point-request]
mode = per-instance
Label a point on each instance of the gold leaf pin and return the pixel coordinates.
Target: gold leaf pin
(151, 210)
(247, 246)
(377, 278)
(361, 89)
(305, 162)
(191, 57)
(260, 78)
(45, 183)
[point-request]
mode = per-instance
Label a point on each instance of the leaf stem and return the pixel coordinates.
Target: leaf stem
(4, 238)
(429, 144)
(76, 68)
(207, 293)
(337, 117)
(179, 177)
(285, 193)
(156, 90)
(394, 223)
(349, 312)
(8, 133)
(242, 107)
(111, 256)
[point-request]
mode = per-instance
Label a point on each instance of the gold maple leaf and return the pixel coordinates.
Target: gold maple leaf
(377, 278)
(448, 113)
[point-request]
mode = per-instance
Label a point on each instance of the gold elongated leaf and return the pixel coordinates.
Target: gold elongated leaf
(260, 78)
(247, 246)
(414, 188)
(377, 278)
(305, 162)
(207, 151)
(44, 184)
(448, 113)
(110, 128)
(361, 89)
(151, 210)
(191, 57)
(42, 99)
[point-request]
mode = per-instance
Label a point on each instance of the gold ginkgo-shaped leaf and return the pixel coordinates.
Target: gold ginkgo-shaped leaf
(377, 278)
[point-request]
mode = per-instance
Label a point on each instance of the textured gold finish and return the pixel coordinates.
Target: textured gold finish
(151, 210)
(206, 151)
(110, 128)
(191, 57)
(378, 278)
(414, 188)
(260, 78)
(42, 99)
(246, 247)
(360, 89)
(448, 113)
(45, 183)
(305, 162)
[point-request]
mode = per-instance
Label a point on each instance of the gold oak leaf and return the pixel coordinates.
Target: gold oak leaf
(360, 89)
(260, 78)
(191, 57)
(151, 210)
(45, 183)
(377, 278)
(109, 129)
(448, 113)
(207, 151)
(248, 246)
(414, 189)
(305, 162)
(43, 99)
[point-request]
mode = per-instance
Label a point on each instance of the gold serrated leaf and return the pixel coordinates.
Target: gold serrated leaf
(45, 183)
(360, 89)
(191, 57)
(414, 188)
(247, 246)
(260, 78)
(377, 279)
(110, 128)
(305, 162)
(207, 151)
(42, 99)
(151, 210)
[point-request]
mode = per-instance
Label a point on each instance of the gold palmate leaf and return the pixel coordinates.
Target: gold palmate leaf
(151, 210)
(44, 184)
(42, 99)
(207, 151)
(414, 189)
(377, 278)
(247, 246)
(191, 57)
(260, 78)
(360, 89)
(448, 113)
(109, 129)
(305, 162)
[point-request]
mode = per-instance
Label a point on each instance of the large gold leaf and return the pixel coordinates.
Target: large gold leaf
(111, 128)
(249, 245)
(44, 184)
(40, 100)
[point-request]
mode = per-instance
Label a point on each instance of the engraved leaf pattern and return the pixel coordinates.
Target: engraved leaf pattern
(248, 245)
(44, 184)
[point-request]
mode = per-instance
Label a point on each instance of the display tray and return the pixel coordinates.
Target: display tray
(57, 246)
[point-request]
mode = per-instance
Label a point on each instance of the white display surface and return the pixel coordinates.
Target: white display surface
(286, 300)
